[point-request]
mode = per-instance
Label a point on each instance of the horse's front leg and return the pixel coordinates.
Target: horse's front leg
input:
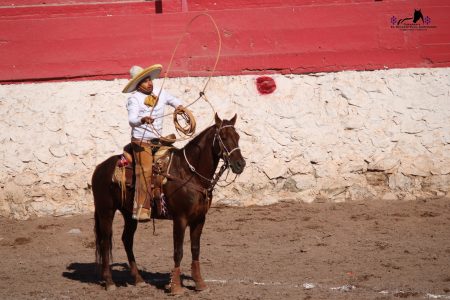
(127, 239)
(196, 232)
(179, 228)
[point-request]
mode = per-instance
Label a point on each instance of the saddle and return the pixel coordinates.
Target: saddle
(125, 178)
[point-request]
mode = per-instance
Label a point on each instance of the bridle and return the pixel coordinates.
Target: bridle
(224, 154)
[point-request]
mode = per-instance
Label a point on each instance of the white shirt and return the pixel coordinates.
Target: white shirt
(137, 109)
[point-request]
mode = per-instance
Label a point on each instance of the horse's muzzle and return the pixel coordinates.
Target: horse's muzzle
(237, 166)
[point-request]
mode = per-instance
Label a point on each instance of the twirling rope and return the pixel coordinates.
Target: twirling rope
(188, 130)
(178, 44)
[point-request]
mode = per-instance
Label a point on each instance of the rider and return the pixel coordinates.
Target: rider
(145, 111)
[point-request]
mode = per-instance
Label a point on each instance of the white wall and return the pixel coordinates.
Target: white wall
(335, 136)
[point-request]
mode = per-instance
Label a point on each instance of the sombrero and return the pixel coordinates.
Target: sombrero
(137, 74)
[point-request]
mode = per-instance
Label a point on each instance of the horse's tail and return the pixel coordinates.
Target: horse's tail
(99, 240)
(98, 253)
(104, 203)
(403, 20)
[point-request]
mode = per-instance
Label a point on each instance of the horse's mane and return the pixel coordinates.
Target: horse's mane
(198, 137)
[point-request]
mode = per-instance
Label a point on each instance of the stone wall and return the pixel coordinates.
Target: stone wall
(322, 137)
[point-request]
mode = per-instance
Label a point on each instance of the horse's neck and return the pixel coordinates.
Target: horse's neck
(200, 153)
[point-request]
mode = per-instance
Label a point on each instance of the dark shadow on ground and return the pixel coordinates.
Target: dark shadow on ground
(89, 273)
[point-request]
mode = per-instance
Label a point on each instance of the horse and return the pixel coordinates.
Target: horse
(416, 17)
(188, 190)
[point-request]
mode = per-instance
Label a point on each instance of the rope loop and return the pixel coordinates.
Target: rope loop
(184, 115)
(184, 121)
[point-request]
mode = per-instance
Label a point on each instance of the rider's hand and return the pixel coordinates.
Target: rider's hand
(147, 120)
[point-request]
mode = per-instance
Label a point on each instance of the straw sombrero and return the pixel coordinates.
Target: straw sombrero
(137, 74)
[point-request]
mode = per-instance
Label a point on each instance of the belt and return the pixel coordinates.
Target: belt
(154, 141)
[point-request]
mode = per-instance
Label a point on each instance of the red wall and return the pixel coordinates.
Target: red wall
(86, 41)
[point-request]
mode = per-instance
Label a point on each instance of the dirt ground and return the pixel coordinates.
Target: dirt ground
(365, 250)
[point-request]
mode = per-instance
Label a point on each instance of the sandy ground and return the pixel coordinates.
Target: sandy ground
(369, 250)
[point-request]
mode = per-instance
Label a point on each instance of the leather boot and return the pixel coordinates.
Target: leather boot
(143, 169)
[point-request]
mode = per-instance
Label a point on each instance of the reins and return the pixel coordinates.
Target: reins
(225, 153)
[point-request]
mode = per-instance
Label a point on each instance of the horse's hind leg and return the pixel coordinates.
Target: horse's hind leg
(196, 232)
(127, 239)
(103, 227)
(179, 228)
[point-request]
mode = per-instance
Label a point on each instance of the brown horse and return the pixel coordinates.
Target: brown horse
(188, 191)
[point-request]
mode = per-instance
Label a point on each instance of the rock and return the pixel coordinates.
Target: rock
(409, 197)
(303, 182)
(381, 143)
(383, 163)
(376, 179)
(74, 231)
(81, 147)
(13, 193)
(43, 208)
(389, 197)
(307, 196)
(412, 127)
(290, 185)
(43, 155)
(65, 210)
(353, 166)
(308, 286)
(274, 168)
(58, 151)
(359, 193)
(436, 183)
(300, 165)
(418, 166)
(26, 179)
(325, 170)
(400, 181)
(53, 123)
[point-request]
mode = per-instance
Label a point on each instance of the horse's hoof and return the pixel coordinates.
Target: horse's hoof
(111, 287)
(176, 290)
(201, 287)
(141, 284)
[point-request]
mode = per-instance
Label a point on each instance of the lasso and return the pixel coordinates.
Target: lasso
(184, 114)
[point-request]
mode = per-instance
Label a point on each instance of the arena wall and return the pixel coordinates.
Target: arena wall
(89, 39)
(345, 136)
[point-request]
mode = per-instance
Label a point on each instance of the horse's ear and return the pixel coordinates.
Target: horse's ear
(218, 121)
(233, 120)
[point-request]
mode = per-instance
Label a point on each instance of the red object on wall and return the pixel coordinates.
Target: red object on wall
(101, 41)
(265, 85)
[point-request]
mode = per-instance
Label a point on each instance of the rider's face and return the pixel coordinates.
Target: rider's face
(147, 84)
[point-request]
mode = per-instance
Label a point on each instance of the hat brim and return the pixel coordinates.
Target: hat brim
(152, 72)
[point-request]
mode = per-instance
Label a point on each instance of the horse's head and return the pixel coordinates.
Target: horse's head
(417, 15)
(226, 141)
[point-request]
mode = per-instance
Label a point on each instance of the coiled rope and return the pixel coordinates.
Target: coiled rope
(188, 129)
